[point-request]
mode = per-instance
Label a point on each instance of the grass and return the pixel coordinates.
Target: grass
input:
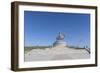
(29, 48)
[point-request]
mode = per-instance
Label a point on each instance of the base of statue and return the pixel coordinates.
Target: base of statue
(59, 43)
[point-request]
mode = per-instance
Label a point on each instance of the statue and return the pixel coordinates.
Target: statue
(60, 40)
(61, 36)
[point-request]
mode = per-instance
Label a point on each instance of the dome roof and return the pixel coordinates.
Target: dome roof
(60, 36)
(60, 40)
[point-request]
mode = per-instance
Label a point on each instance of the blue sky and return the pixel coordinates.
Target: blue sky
(41, 28)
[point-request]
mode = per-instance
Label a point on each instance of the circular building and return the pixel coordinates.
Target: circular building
(60, 40)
